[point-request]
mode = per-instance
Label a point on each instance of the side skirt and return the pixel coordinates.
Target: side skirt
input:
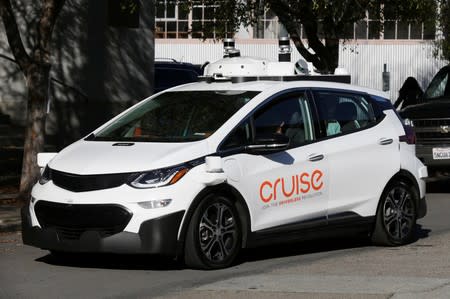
(339, 225)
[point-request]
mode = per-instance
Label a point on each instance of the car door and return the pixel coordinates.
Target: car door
(285, 187)
(362, 148)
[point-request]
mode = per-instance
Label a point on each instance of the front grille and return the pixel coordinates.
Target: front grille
(432, 122)
(431, 131)
(71, 220)
(433, 136)
(80, 183)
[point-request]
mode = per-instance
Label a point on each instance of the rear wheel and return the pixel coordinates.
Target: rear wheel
(214, 235)
(396, 215)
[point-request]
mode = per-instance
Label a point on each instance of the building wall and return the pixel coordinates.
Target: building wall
(364, 60)
(365, 63)
(98, 69)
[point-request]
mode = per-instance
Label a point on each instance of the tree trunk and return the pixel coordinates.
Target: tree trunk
(332, 46)
(37, 84)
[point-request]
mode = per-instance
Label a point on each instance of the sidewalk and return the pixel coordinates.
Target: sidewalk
(9, 218)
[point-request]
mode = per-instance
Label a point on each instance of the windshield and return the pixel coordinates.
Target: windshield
(176, 117)
(439, 86)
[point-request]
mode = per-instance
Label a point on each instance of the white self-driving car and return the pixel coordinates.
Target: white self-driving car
(204, 169)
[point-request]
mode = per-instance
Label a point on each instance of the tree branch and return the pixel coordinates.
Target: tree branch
(8, 58)
(13, 35)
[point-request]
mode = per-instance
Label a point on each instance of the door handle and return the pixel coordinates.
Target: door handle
(315, 157)
(385, 141)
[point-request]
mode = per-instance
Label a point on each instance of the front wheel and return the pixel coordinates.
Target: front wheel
(214, 235)
(396, 215)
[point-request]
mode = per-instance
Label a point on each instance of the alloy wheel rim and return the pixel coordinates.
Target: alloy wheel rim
(398, 213)
(217, 232)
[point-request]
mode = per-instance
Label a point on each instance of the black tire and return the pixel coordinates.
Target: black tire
(214, 235)
(396, 215)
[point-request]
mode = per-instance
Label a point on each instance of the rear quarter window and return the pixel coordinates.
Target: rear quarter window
(381, 104)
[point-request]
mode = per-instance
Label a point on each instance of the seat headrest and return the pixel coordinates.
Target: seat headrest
(346, 111)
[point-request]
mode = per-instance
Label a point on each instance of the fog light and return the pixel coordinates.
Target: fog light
(33, 199)
(154, 204)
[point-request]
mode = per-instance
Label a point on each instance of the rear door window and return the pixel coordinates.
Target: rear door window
(343, 112)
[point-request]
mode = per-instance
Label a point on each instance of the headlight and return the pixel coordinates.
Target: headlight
(160, 177)
(45, 177)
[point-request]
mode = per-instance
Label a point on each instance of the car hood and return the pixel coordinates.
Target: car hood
(99, 157)
(439, 108)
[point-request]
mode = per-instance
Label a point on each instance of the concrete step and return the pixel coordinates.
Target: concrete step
(11, 130)
(10, 180)
(10, 218)
(10, 167)
(11, 153)
(8, 196)
(6, 141)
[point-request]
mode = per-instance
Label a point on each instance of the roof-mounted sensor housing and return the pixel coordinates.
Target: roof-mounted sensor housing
(236, 68)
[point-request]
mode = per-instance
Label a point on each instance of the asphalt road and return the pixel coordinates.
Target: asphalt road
(331, 268)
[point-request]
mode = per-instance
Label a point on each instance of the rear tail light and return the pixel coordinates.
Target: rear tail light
(410, 135)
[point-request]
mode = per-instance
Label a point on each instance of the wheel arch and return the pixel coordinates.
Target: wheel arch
(408, 178)
(221, 189)
(381, 235)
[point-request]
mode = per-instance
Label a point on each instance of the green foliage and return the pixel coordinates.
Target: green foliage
(410, 10)
(324, 22)
(129, 6)
(443, 44)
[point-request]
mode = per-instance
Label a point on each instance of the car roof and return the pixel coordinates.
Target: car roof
(276, 86)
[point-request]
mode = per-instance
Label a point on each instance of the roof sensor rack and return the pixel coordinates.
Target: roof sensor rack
(242, 79)
(235, 68)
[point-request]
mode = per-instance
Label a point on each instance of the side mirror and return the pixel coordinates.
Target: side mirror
(267, 145)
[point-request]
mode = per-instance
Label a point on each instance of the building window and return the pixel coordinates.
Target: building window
(171, 19)
(203, 22)
(175, 19)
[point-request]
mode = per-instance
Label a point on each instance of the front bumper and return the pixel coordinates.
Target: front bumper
(155, 236)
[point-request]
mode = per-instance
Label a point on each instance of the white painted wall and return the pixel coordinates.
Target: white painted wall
(364, 61)
(365, 64)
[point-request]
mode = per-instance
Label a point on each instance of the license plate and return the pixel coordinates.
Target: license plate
(441, 153)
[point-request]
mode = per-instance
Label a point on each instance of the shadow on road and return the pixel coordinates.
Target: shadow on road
(160, 263)
(156, 263)
(303, 248)
(421, 233)
(311, 247)
(112, 261)
(438, 185)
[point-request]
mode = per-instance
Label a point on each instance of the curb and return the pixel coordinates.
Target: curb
(10, 218)
(9, 196)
